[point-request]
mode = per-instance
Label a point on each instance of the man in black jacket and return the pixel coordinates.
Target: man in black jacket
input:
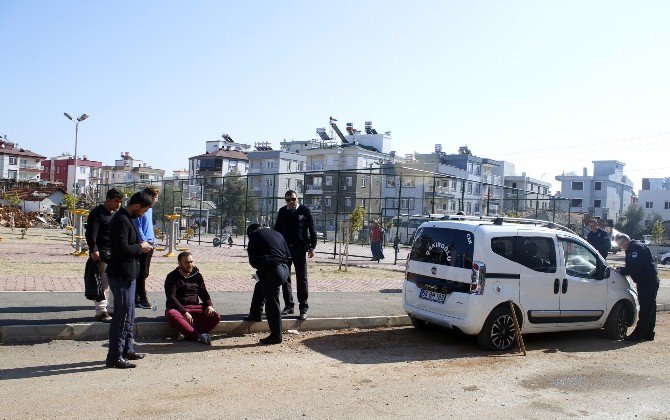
(599, 238)
(296, 225)
(123, 268)
(97, 238)
(640, 267)
(270, 256)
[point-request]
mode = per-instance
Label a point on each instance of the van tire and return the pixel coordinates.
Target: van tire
(618, 322)
(498, 330)
(419, 324)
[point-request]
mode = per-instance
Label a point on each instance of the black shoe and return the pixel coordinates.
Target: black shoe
(302, 316)
(134, 356)
(143, 304)
(632, 338)
(121, 363)
(288, 310)
(251, 318)
(270, 340)
(103, 317)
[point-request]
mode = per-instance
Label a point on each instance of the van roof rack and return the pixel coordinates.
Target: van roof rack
(498, 220)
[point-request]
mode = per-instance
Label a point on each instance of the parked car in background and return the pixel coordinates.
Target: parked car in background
(664, 258)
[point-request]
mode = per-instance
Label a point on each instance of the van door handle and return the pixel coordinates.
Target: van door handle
(565, 286)
(557, 283)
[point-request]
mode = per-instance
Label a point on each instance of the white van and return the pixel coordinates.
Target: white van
(463, 273)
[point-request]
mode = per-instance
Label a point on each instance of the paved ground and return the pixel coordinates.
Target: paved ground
(41, 283)
(347, 374)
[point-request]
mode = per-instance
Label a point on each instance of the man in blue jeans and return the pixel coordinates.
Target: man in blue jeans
(145, 228)
(122, 271)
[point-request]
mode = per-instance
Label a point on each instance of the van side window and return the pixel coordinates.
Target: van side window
(538, 254)
(579, 261)
(504, 246)
(450, 247)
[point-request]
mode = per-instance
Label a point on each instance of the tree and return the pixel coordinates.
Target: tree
(235, 201)
(631, 222)
(13, 199)
(356, 219)
(69, 201)
(657, 230)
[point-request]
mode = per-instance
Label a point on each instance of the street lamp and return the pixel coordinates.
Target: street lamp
(76, 138)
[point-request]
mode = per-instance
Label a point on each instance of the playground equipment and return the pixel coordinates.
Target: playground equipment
(344, 237)
(78, 231)
(171, 233)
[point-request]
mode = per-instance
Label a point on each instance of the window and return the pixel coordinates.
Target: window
(667, 205)
(317, 181)
(468, 208)
(288, 184)
(477, 189)
(477, 207)
(12, 160)
(350, 181)
(453, 184)
(536, 253)
(478, 170)
(390, 182)
(597, 185)
(269, 164)
(576, 202)
(329, 181)
(289, 165)
(347, 202)
(232, 165)
(577, 185)
(579, 261)
(407, 203)
(298, 186)
(452, 205)
(648, 204)
(12, 174)
(451, 247)
(470, 167)
(301, 166)
(444, 206)
(327, 201)
(82, 169)
(596, 204)
(469, 187)
(513, 184)
(408, 182)
(364, 182)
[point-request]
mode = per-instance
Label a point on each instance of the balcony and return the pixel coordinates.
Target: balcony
(441, 192)
(315, 207)
(314, 189)
(315, 167)
(26, 167)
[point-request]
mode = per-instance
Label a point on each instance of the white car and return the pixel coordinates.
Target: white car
(462, 274)
(664, 258)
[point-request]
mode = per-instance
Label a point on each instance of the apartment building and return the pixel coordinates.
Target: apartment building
(220, 158)
(62, 169)
(129, 170)
(17, 163)
(523, 192)
(605, 194)
(654, 197)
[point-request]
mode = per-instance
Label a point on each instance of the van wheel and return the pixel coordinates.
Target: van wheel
(617, 322)
(498, 331)
(419, 324)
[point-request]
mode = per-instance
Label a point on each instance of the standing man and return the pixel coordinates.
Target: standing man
(122, 271)
(376, 239)
(270, 256)
(296, 225)
(145, 228)
(97, 238)
(640, 267)
(599, 238)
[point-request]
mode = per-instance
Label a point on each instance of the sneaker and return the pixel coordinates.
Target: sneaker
(288, 310)
(103, 317)
(205, 339)
(181, 337)
(302, 316)
(143, 304)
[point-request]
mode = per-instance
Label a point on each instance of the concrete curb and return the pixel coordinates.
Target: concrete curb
(14, 334)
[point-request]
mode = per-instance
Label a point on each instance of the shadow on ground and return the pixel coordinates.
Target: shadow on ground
(409, 344)
(50, 370)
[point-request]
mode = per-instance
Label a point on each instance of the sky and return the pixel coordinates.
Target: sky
(549, 86)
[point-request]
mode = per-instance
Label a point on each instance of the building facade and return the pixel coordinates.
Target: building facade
(273, 172)
(654, 198)
(606, 194)
(128, 170)
(220, 158)
(19, 164)
(61, 169)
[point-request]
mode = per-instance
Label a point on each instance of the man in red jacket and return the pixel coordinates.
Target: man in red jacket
(193, 319)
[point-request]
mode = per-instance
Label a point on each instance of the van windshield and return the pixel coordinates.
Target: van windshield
(441, 246)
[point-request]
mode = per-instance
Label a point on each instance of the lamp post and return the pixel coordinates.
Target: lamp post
(76, 138)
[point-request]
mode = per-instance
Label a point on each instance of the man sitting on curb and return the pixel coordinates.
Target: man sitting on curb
(183, 287)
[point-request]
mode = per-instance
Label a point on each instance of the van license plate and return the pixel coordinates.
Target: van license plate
(432, 296)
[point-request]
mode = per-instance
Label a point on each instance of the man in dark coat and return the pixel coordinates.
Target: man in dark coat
(97, 238)
(599, 238)
(640, 267)
(270, 256)
(122, 271)
(296, 225)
